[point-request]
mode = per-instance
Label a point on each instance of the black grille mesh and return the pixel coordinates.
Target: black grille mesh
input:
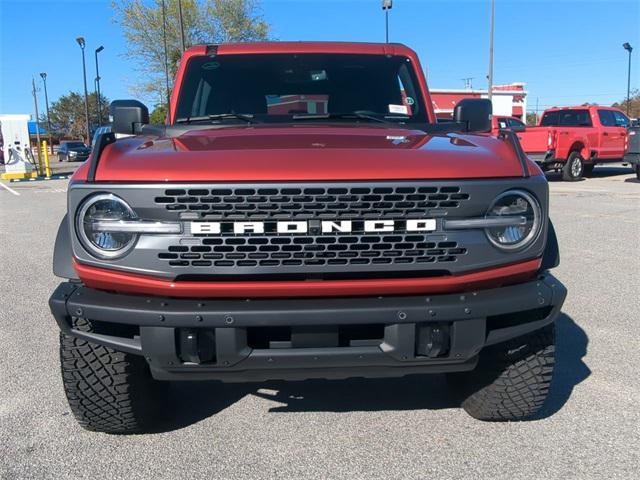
(308, 203)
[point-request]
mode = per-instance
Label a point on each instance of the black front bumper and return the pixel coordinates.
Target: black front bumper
(164, 329)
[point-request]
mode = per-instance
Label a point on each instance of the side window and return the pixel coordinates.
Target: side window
(515, 123)
(606, 118)
(550, 119)
(621, 119)
(502, 123)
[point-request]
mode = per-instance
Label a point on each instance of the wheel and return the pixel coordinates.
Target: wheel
(588, 170)
(512, 379)
(107, 390)
(638, 171)
(573, 168)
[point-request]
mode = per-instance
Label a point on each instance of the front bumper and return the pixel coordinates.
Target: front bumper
(171, 332)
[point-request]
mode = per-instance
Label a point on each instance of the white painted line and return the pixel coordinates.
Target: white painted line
(9, 189)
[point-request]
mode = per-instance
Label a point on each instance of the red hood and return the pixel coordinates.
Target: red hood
(306, 153)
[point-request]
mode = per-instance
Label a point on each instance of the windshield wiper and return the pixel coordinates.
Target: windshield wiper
(246, 117)
(356, 114)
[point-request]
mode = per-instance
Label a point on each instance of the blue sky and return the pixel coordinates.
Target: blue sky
(568, 52)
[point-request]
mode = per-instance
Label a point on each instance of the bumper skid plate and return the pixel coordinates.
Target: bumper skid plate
(187, 339)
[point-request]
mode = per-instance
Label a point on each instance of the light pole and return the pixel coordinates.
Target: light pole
(98, 99)
(35, 103)
(490, 76)
(43, 75)
(629, 49)
(81, 42)
(386, 6)
(181, 25)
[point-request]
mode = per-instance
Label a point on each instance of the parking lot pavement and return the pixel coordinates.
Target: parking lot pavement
(398, 428)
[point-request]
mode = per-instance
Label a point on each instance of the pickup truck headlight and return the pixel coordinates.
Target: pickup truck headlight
(105, 207)
(522, 220)
(73, 154)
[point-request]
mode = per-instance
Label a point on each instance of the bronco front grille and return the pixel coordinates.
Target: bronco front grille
(309, 203)
(312, 251)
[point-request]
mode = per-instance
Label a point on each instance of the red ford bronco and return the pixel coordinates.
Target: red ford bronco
(302, 215)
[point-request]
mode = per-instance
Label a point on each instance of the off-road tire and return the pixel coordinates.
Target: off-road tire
(573, 169)
(512, 379)
(108, 391)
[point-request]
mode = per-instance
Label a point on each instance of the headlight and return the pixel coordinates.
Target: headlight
(73, 154)
(522, 220)
(100, 243)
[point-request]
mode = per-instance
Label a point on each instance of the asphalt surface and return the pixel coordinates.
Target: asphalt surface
(392, 429)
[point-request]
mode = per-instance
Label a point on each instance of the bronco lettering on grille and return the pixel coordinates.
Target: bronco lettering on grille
(314, 226)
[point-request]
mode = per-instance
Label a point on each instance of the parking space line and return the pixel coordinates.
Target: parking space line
(9, 189)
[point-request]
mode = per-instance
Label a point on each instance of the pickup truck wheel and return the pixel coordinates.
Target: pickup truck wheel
(638, 171)
(573, 168)
(512, 379)
(107, 390)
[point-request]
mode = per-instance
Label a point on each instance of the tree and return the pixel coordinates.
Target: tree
(68, 115)
(634, 104)
(204, 21)
(159, 114)
(532, 118)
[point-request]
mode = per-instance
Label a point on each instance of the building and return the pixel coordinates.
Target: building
(508, 99)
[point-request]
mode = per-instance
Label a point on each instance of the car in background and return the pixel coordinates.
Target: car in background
(574, 140)
(502, 122)
(633, 153)
(73, 152)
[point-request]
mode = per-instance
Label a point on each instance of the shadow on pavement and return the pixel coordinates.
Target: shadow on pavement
(598, 172)
(570, 370)
(191, 402)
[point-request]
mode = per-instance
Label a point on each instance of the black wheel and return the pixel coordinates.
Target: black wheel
(638, 171)
(573, 168)
(588, 170)
(512, 379)
(108, 391)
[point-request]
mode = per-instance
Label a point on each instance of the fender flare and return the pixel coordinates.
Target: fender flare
(551, 255)
(62, 253)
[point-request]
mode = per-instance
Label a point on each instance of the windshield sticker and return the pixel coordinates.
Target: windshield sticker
(403, 109)
(410, 101)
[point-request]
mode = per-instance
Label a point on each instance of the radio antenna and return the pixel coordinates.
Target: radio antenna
(166, 57)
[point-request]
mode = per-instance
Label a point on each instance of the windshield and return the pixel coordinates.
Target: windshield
(295, 87)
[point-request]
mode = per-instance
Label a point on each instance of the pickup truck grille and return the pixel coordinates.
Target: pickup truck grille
(359, 202)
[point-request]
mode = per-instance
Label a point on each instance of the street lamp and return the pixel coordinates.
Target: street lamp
(386, 6)
(98, 99)
(629, 49)
(80, 41)
(43, 75)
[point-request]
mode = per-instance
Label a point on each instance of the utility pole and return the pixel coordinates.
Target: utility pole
(35, 102)
(166, 66)
(468, 83)
(386, 6)
(629, 49)
(80, 41)
(98, 99)
(43, 75)
(181, 25)
(490, 76)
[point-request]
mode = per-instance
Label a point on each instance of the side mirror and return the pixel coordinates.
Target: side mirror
(128, 116)
(474, 113)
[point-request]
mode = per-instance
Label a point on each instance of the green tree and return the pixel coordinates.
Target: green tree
(68, 115)
(204, 21)
(532, 118)
(634, 104)
(159, 114)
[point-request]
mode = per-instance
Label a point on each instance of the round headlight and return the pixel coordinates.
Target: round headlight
(525, 211)
(106, 245)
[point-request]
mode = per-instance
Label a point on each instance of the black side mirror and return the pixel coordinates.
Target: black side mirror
(128, 116)
(475, 113)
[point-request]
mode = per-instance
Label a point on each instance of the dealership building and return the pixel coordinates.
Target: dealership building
(508, 99)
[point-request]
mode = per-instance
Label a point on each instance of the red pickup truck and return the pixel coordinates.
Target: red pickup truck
(575, 139)
(302, 215)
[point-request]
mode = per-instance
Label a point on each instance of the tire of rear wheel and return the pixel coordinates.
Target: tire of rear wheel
(638, 171)
(512, 379)
(107, 390)
(568, 170)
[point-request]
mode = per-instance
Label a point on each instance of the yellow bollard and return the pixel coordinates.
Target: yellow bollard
(46, 159)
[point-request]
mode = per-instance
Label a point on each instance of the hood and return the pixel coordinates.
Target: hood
(307, 153)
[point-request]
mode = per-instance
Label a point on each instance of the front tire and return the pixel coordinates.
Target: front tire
(573, 168)
(512, 379)
(107, 390)
(638, 171)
